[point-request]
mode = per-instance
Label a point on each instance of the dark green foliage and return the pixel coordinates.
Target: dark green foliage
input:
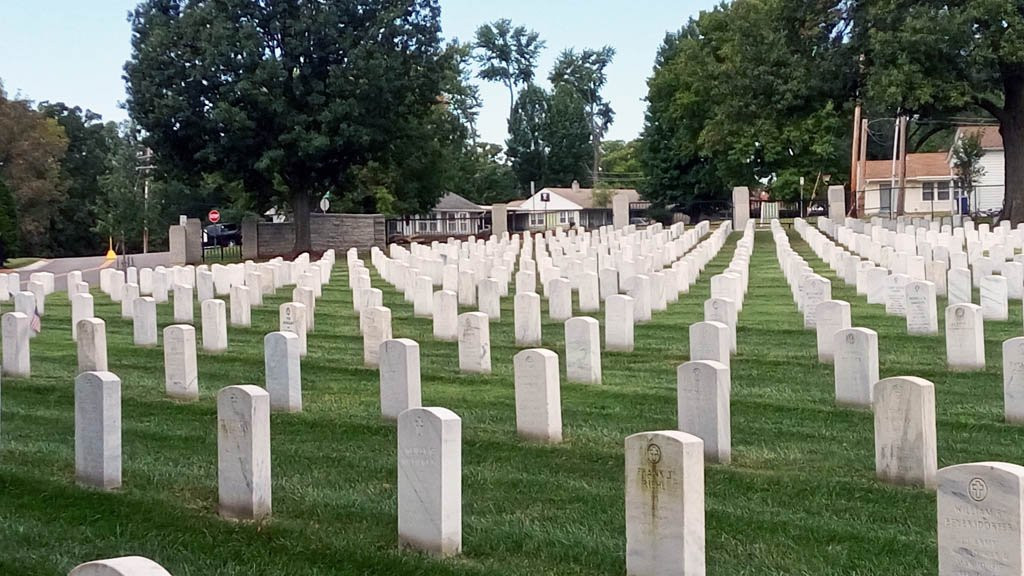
(584, 73)
(933, 58)
(291, 99)
(549, 138)
(483, 178)
(121, 207)
(31, 149)
(526, 147)
(8, 222)
(750, 91)
(567, 138)
(621, 165)
(90, 143)
(508, 55)
(967, 161)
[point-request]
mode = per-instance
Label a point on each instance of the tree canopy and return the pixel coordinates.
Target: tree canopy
(752, 91)
(294, 99)
(933, 58)
(584, 73)
(32, 146)
(507, 54)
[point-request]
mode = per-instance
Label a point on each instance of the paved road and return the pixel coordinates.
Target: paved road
(91, 266)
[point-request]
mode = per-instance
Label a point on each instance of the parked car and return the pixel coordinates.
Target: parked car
(222, 235)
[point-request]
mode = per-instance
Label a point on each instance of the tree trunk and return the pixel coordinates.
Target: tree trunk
(511, 101)
(300, 212)
(1012, 130)
(1011, 127)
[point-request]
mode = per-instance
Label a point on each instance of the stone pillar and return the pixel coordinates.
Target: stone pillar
(499, 220)
(836, 203)
(193, 241)
(620, 211)
(740, 207)
(250, 238)
(176, 239)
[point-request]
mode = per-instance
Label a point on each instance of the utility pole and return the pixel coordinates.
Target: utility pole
(902, 167)
(855, 151)
(145, 158)
(893, 177)
(861, 163)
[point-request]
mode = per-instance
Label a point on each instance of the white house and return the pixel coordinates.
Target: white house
(555, 207)
(929, 185)
(988, 191)
(453, 215)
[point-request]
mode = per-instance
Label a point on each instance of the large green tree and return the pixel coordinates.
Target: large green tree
(566, 136)
(8, 223)
(482, 176)
(752, 91)
(31, 149)
(620, 164)
(932, 57)
(120, 205)
(90, 142)
(291, 99)
(585, 73)
(525, 146)
(507, 54)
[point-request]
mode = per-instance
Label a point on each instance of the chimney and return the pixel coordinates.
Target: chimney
(575, 185)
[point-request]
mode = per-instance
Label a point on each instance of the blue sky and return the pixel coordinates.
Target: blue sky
(73, 50)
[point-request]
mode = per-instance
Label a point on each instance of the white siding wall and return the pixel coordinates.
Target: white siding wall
(990, 187)
(913, 203)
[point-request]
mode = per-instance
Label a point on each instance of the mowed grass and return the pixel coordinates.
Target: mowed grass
(799, 498)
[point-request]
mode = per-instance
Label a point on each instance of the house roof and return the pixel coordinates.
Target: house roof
(585, 196)
(920, 166)
(453, 202)
(991, 139)
(569, 199)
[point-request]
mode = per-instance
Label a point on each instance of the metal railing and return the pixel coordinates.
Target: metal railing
(232, 253)
(421, 228)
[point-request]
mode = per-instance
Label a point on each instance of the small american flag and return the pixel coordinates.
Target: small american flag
(37, 322)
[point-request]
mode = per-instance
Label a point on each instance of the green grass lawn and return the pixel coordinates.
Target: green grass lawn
(15, 263)
(799, 498)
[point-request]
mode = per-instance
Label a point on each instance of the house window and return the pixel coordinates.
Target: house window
(536, 218)
(427, 225)
(927, 191)
(563, 217)
(943, 189)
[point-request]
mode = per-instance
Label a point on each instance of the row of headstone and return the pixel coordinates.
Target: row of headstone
(904, 295)
(479, 272)
(471, 331)
(999, 276)
(980, 507)
(964, 330)
(39, 283)
(852, 351)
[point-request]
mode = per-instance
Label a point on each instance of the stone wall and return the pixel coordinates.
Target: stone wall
(338, 231)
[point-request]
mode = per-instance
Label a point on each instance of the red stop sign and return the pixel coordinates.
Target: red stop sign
(213, 216)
